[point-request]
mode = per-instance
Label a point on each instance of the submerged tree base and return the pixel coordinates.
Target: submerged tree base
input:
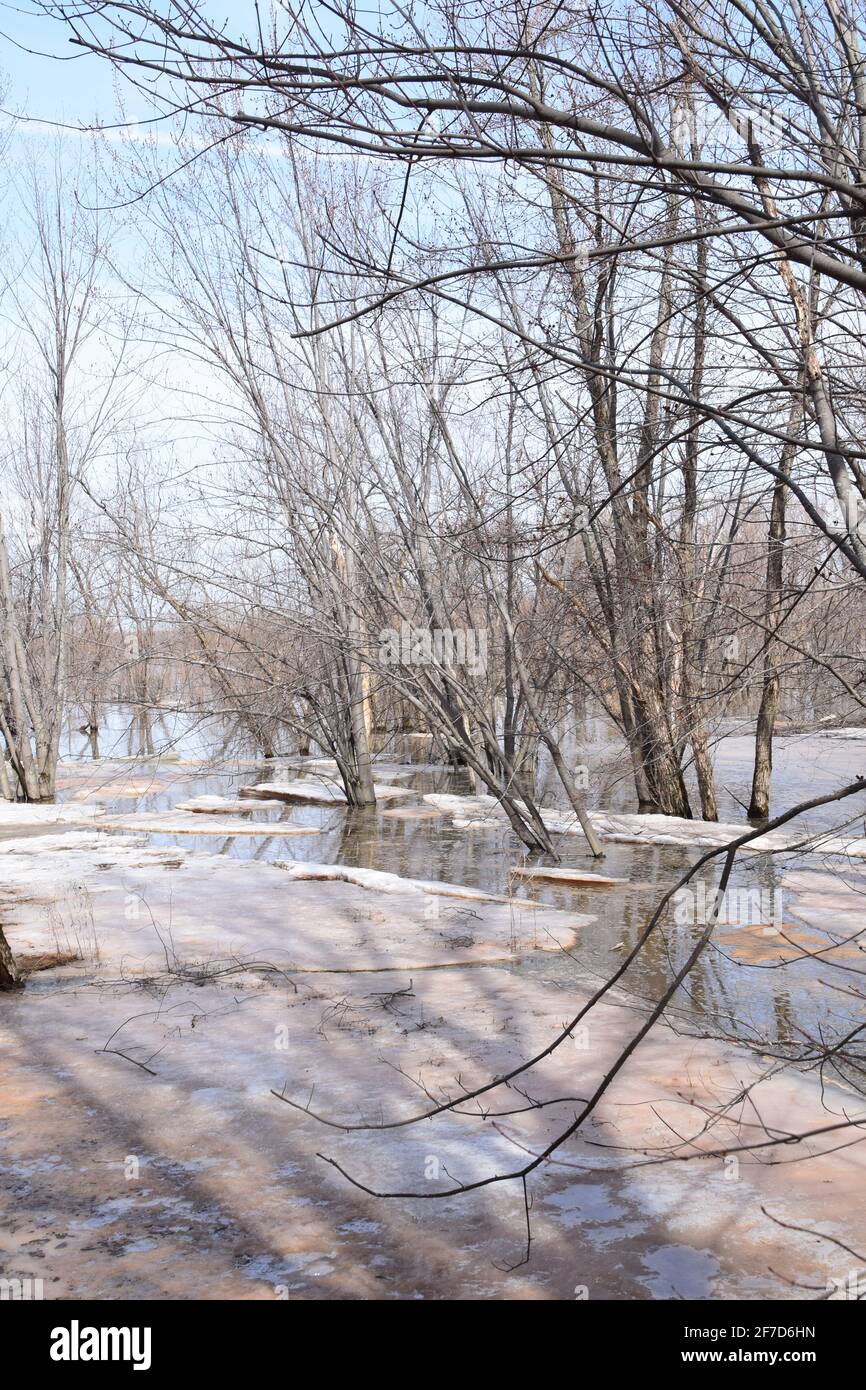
(9, 975)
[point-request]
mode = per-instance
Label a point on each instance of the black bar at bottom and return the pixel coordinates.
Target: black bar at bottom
(87, 1340)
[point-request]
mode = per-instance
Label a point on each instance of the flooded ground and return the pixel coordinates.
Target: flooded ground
(741, 995)
(145, 1154)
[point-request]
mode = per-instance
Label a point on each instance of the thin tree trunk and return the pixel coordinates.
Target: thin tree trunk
(546, 735)
(759, 806)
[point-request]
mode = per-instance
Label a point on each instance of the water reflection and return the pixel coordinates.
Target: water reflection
(177, 757)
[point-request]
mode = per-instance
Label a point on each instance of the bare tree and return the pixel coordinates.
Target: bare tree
(57, 423)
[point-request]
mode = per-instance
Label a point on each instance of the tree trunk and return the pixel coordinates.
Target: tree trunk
(546, 735)
(759, 806)
(704, 771)
(9, 975)
(362, 793)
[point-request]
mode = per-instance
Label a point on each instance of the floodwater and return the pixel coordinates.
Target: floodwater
(740, 993)
(234, 1201)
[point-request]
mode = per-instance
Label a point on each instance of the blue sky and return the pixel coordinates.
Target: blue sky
(75, 90)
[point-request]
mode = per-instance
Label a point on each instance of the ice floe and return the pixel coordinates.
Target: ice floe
(485, 812)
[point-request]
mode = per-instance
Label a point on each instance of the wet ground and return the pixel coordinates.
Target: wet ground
(164, 1167)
